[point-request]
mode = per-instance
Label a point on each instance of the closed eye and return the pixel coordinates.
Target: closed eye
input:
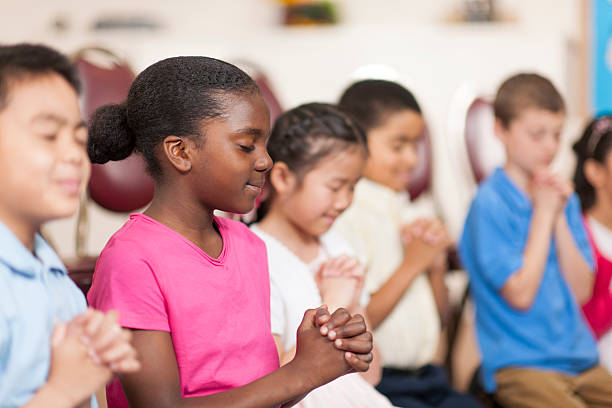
(334, 188)
(247, 149)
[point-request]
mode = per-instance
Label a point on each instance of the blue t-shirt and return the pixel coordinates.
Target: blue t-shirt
(551, 334)
(35, 293)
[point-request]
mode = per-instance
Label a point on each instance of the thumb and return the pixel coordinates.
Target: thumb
(309, 320)
(59, 333)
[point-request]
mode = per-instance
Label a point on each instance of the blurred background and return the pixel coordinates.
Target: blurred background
(450, 53)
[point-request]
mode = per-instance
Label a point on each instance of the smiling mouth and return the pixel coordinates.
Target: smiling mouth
(72, 187)
(255, 187)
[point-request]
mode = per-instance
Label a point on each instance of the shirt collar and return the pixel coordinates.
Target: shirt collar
(510, 191)
(17, 257)
(381, 199)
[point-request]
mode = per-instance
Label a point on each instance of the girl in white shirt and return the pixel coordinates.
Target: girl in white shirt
(319, 154)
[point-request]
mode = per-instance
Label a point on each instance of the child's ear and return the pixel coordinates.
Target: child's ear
(594, 173)
(177, 150)
(282, 178)
(500, 130)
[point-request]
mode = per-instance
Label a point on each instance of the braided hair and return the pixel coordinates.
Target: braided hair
(171, 97)
(302, 136)
(595, 144)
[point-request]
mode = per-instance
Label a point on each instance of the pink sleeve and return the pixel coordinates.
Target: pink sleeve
(127, 283)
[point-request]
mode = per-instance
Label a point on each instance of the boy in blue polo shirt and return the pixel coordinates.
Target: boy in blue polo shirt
(530, 263)
(53, 352)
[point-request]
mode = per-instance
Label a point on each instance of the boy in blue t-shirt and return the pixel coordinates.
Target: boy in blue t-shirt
(53, 351)
(530, 263)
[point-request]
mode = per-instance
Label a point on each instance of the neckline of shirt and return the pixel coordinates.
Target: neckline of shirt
(219, 222)
(19, 259)
(602, 237)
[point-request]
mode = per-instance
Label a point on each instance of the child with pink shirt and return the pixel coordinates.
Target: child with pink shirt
(593, 180)
(193, 287)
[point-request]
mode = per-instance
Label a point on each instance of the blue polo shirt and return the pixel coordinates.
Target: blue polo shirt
(35, 293)
(551, 334)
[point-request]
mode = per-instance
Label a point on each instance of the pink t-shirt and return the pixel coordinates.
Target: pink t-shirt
(216, 310)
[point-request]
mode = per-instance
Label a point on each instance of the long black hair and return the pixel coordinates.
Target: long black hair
(595, 144)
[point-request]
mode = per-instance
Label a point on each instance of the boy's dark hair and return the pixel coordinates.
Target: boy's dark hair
(171, 97)
(371, 100)
(23, 60)
(595, 144)
(524, 91)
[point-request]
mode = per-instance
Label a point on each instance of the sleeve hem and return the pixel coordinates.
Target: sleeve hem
(144, 323)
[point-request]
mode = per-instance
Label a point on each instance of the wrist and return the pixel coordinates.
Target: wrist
(56, 395)
(547, 217)
(296, 378)
(410, 268)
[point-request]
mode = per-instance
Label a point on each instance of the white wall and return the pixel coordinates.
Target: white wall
(307, 64)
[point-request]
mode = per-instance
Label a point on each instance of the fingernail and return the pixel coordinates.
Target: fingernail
(324, 330)
(339, 343)
(332, 335)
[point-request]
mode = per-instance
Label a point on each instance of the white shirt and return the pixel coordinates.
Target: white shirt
(602, 236)
(292, 291)
(408, 337)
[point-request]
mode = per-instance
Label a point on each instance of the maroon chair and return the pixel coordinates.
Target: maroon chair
(121, 186)
(421, 177)
(477, 151)
(485, 151)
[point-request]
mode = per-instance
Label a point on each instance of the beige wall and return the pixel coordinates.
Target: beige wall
(305, 64)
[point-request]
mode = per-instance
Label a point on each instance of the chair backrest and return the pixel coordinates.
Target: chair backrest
(468, 138)
(421, 177)
(121, 186)
(485, 151)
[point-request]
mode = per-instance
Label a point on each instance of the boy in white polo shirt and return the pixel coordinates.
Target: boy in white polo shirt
(405, 261)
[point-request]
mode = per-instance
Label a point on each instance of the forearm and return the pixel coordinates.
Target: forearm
(437, 274)
(521, 288)
(574, 267)
(49, 397)
(284, 386)
(384, 299)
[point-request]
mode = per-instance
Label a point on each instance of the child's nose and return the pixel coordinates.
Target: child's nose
(264, 162)
(411, 157)
(71, 152)
(343, 201)
(552, 144)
